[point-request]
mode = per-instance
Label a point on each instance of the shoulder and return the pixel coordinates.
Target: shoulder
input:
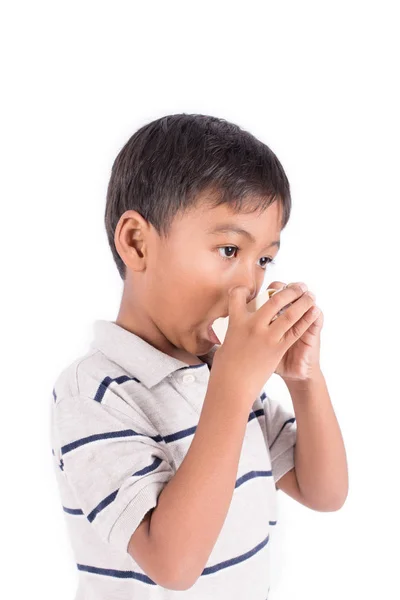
(89, 375)
(94, 388)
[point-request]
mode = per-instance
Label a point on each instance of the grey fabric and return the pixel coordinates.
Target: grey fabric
(123, 416)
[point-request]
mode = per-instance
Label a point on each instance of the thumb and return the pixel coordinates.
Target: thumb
(237, 302)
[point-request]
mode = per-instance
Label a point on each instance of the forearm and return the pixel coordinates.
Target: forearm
(320, 456)
(192, 507)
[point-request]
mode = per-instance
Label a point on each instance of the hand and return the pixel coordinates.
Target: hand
(256, 342)
(302, 360)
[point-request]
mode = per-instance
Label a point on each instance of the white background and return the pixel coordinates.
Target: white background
(316, 81)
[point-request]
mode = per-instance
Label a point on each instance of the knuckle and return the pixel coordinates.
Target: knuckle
(296, 331)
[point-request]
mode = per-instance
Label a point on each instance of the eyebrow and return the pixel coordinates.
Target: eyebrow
(230, 227)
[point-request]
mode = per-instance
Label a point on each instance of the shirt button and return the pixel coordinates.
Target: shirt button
(188, 378)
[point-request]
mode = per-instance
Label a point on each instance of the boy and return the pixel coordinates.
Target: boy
(167, 451)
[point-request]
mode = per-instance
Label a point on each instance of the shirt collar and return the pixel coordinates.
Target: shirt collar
(136, 356)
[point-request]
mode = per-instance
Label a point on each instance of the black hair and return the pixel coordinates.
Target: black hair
(167, 163)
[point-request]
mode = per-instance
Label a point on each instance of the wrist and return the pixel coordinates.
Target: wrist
(310, 380)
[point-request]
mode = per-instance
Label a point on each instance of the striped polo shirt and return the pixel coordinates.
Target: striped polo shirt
(123, 417)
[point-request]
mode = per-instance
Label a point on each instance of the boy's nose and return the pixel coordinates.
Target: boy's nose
(251, 295)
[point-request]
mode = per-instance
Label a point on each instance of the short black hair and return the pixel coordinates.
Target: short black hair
(167, 163)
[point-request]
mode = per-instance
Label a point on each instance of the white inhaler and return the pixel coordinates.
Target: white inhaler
(220, 326)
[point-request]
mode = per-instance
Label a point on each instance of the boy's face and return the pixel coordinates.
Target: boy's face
(176, 287)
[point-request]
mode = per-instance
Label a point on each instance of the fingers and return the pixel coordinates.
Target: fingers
(297, 317)
(281, 299)
(237, 302)
(276, 285)
(297, 330)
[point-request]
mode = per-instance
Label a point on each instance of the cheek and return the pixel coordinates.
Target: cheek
(191, 270)
(189, 284)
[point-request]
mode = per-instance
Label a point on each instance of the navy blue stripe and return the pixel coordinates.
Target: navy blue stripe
(256, 413)
(102, 436)
(73, 511)
(106, 382)
(171, 437)
(263, 396)
(157, 461)
(91, 516)
(130, 432)
(192, 367)
(207, 571)
(292, 420)
(250, 475)
(236, 559)
(104, 503)
(116, 573)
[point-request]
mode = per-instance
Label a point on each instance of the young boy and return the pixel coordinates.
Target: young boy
(167, 450)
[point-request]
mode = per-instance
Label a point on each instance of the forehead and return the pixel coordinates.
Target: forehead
(206, 220)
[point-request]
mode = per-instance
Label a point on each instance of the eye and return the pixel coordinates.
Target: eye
(269, 260)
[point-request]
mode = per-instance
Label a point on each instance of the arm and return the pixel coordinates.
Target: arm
(289, 484)
(320, 457)
(181, 531)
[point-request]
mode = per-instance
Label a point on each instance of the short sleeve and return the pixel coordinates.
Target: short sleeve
(114, 463)
(281, 434)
